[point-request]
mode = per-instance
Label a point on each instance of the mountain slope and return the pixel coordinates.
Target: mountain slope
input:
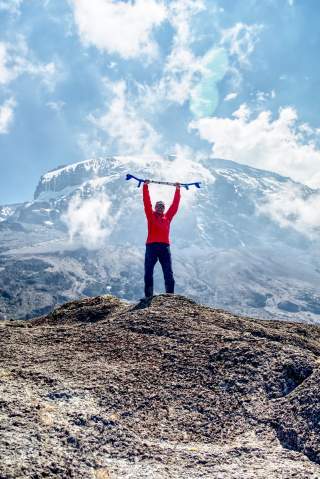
(166, 389)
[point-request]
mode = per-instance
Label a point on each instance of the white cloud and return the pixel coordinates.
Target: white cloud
(263, 142)
(181, 65)
(12, 6)
(6, 115)
(186, 166)
(16, 59)
(241, 40)
(181, 13)
(6, 74)
(230, 96)
(89, 221)
(124, 125)
(182, 68)
(185, 76)
(243, 112)
(120, 27)
(263, 96)
(48, 73)
(56, 105)
(290, 207)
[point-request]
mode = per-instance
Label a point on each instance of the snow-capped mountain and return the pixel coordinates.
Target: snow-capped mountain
(84, 234)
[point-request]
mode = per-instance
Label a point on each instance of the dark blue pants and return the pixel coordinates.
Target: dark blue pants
(155, 252)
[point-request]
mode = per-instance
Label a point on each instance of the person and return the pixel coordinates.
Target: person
(158, 241)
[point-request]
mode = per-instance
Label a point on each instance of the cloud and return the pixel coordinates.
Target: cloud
(205, 94)
(16, 59)
(187, 76)
(263, 97)
(6, 74)
(89, 221)
(291, 207)
(124, 28)
(6, 115)
(195, 78)
(277, 144)
(186, 166)
(181, 64)
(11, 6)
(182, 67)
(230, 96)
(241, 40)
(124, 125)
(243, 112)
(48, 73)
(56, 106)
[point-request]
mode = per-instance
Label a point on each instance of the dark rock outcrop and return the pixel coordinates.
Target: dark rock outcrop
(162, 389)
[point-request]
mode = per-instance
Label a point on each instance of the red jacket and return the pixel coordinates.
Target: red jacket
(159, 225)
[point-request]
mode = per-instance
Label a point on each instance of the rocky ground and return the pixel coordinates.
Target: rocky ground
(166, 389)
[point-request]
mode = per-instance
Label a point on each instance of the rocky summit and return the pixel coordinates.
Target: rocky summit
(166, 388)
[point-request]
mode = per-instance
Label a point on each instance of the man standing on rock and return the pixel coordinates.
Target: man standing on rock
(158, 242)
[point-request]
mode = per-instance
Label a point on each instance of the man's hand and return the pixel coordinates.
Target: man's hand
(178, 185)
(147, 182)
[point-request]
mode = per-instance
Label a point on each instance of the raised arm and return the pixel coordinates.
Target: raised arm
(175, 204)
(146, 200)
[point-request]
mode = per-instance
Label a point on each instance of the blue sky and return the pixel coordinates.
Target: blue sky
(83, 78)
